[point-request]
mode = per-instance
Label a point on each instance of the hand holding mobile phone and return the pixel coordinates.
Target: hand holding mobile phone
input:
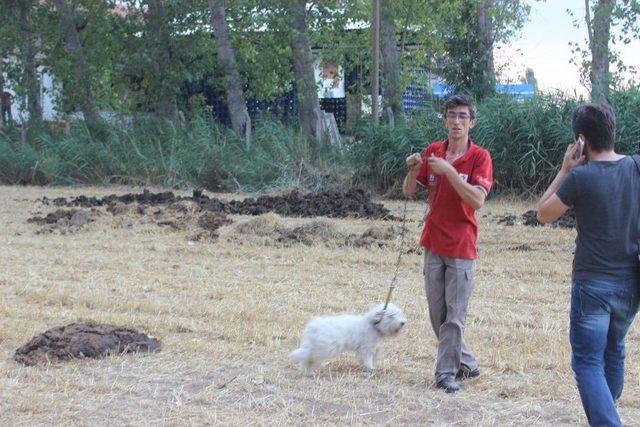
(580, 149)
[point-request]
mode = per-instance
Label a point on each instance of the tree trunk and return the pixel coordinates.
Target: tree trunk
(599, 34)
(2, 72)
(84, 94)
(30, 75)
(391, 89)
(486, 79)
(2, 119)
(161, 84)
(308, 103)
(231, 77)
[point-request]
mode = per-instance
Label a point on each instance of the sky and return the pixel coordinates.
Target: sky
(543, 45)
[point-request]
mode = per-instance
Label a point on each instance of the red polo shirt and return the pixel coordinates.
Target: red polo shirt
(451, 228)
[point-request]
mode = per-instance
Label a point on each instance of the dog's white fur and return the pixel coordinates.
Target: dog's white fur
(326, 337)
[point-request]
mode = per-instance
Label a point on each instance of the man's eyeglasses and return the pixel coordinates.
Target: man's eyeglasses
(452, 116)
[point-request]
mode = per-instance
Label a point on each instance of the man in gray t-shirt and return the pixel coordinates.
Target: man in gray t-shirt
(605, 195)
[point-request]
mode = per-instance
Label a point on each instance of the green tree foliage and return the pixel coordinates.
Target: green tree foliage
(609, 23)
(140, 54)
(470, 30)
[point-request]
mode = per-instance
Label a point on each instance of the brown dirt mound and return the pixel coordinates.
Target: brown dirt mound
(335, 204)
(525, 247)
(262, 225)
(144, 198)
(80, 340)
(507, 220)
(567, 220)
(306, 233)
(63, 221)
(210, 222)
(380, 236)
(72, 216)
(180, 216)
(271, 225)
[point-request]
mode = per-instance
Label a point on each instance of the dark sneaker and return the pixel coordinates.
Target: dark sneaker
(465, 372)
(448, 384)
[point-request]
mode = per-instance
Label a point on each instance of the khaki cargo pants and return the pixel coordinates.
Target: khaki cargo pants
(449, 283)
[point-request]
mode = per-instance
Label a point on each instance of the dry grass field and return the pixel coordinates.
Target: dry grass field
(229, 311)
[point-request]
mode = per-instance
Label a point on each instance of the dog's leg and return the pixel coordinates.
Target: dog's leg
(378, 356)
(365, 355)
(308, 367)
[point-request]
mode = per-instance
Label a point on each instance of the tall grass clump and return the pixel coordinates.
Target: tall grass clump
(378, 152)
(18, 161)
(153, 152)
(626, 104)
(526, 138)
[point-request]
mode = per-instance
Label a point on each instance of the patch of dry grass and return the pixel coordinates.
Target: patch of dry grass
(229, 312)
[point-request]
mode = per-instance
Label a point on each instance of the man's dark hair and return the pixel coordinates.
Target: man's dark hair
(460, 101)
(597, 122)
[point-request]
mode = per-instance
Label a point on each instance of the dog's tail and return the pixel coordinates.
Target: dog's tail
(299, 354)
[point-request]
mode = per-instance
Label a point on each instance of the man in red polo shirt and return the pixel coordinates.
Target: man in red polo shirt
(458, 175)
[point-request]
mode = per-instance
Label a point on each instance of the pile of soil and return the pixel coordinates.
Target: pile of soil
(144, 198)
(271, 226)
(83, 340)
(305, 233)
(507, 220)
(373, 236)
(525, 247)
(64, 221)
(334, 204)
(209, 222)
(73, 216)
(567, 220)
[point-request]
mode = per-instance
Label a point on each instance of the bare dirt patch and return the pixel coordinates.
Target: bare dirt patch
(230, 313)
(83, 340)
(333, 204)
(202, 215)
(567, 220)
(64, 220)
(316, 231)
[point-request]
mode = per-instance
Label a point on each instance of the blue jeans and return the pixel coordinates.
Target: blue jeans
(601, 313)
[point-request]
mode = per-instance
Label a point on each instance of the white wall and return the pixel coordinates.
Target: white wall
(326, 87)
(48, 89)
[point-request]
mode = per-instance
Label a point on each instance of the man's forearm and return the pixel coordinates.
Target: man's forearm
(471, 195)
(409, 185)
(553, 187)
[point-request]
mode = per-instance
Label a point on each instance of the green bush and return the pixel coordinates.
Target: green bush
(527, 139)
(378, 152)
(146, 152)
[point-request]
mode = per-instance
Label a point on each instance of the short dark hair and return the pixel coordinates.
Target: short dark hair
(597, 122)
(460, 101)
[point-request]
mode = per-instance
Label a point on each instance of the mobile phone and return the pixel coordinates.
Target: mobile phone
(580, 149)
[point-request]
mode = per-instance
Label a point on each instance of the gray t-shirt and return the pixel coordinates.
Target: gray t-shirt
(606, 200)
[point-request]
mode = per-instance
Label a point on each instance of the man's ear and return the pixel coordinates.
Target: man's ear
(472, 123)
(587, 144)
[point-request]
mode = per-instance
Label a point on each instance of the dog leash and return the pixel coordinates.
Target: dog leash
(394, 279)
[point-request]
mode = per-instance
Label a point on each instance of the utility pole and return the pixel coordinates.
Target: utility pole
(375, 65)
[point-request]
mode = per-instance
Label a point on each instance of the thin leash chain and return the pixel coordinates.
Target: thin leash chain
(400, 251)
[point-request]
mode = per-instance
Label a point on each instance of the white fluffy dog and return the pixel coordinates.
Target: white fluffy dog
(328, 336)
